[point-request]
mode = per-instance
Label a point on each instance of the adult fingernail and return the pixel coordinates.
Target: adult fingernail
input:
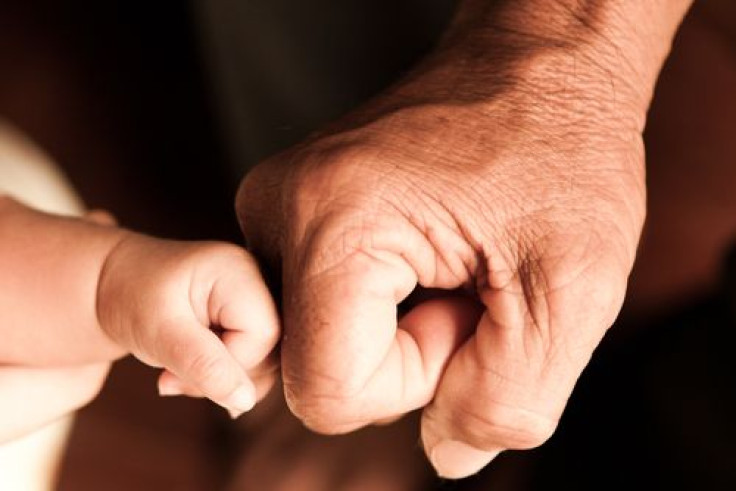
(241, 400)
(168, 387)
(454, 459)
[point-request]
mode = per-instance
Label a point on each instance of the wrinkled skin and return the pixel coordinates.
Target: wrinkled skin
(519, 193)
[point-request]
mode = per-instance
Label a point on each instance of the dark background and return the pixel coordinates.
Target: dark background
(118, 95)
(115, 93)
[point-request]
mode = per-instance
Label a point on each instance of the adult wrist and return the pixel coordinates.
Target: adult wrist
(601, 56)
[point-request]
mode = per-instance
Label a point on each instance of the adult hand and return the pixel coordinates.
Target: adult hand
(507, 172)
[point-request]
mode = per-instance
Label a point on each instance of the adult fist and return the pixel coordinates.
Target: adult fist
(518, 191)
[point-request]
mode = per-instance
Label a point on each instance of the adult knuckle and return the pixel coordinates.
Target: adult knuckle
(328, 413)
(259, 205)
(340, 173)
(329, 176)
(263, 178)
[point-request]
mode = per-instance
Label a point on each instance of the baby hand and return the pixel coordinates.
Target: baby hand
(198, 309)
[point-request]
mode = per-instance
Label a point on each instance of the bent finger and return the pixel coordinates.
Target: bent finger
(202, 364)
(169, 385)
(346, 360)
(241, 304)
(508, 385)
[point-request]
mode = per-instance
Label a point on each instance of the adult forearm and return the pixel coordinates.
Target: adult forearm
(586, 59)
(564, 66)
(628, 38)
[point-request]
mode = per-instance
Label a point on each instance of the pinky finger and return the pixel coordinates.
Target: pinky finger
(264, 383)
(169, 385)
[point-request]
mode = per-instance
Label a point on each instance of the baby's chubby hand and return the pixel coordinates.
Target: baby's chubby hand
(200, 310)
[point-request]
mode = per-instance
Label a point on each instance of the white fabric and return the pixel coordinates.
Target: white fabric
(31, 463)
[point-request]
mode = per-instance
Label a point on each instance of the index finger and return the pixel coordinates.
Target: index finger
(346, 360)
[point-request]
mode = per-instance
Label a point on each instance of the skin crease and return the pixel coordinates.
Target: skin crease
(509, 166)
(105, 292)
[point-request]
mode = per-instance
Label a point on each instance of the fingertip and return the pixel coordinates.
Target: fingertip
(389, 420)
(264, 384)
(251, 323)
(101, 217)
(234, 413)
(439, 327)
(451, 455)
(170, 385)
(241, 400)
(453, 459)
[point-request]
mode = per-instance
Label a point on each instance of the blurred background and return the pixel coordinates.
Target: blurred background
(156, 109)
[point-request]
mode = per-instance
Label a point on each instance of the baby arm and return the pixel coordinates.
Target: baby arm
(73, 292)
(49, 271)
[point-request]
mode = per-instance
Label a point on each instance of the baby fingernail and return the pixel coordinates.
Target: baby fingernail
(241, 400)
(454, 459)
